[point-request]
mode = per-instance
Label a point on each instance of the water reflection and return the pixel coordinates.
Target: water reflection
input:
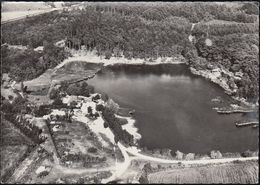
(174, 108)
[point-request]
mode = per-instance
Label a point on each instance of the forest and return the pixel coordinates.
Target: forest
(149, 31)
(14, 113)
(29, 64)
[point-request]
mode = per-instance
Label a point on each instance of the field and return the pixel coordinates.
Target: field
(14, 10)
(10, 135)
(10, 156)
(71, 71)
(75, 70)
(14, 148)
(78, 146)
(23, 6)
(244, 172)
(39, 83)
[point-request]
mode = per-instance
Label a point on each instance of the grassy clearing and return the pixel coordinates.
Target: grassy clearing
(41, 82)
(71, 71)
(75, 70)
(243, 172)
(39, 99)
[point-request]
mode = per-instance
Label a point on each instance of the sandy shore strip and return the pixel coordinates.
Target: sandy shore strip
(91, 57)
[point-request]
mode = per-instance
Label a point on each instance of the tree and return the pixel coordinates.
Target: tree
(54, 93)
(58, 102)
(250, 8)
(73, 104)
(143, 179)
(114, 107)
(247, 153)
(108, 54)
(104, 97)
(92, 150)
(105, 124)
(96, 97)
(10, 97)
(6, 106)
(215, 154)
(99, 107)
(90, 110)
(147, 168)
(179, 155)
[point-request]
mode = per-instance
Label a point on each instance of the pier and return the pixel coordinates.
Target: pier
(250, 123)
(231, 111)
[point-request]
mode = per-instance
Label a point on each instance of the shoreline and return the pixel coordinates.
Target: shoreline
(130, 126)
(91, 57)
(222, 83)
(131, 153)
(97, 127)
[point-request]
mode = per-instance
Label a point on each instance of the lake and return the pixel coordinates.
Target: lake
(173, 108)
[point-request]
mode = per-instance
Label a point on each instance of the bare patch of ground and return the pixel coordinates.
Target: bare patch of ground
(78, 146)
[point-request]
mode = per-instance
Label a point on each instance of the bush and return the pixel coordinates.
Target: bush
(97, 97)
(122, 121)
(143, 179)
(105, 124)
(114, 107)
(114, 124)
(6, 106)
(99, 107)
(147, 168)
(92, 150)
(215, 154)
(54, 93)
(10, 97)
(58, 102)
(78, 89)
(96, 115)
(104, 97)
(247, 153)
(73, 104)
(90, 110)
(42, 110)
(43, 174)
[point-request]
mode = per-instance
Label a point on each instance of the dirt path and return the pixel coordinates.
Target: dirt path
(122, 167)
(77, 171)
(199, 161)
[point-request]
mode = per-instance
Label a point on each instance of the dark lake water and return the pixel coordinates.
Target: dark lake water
(173, 108)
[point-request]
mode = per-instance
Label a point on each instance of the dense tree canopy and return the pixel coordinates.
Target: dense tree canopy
(29, 64)
(148, 31)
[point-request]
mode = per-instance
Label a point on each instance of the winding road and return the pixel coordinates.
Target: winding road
(122, 167)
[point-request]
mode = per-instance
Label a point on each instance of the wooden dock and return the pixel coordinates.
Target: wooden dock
(249, 123)
(227, 111)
